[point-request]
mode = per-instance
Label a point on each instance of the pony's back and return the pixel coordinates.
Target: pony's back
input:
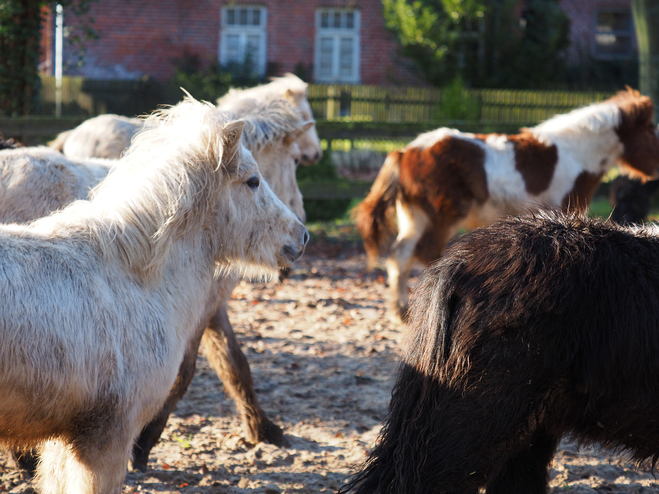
(105, 136)
(37, 181)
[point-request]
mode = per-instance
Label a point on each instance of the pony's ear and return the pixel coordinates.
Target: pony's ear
(291, 96)
(303, 128)
(231, 133)
(307, 125)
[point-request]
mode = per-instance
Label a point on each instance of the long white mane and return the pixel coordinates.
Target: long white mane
(168, 173)
(267, 123)
(594, 118)
(265, 92)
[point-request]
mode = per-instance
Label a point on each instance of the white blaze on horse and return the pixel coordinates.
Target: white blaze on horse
(293, 89)
(100, 299)
(446, 179)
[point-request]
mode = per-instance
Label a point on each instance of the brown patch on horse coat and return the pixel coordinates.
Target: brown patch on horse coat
(444, 180)
(582, 192)
(535, 160)
(637, 133)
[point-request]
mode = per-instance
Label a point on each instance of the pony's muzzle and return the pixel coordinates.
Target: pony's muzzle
(293, 251)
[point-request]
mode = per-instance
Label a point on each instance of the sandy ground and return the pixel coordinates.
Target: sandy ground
(323, 355)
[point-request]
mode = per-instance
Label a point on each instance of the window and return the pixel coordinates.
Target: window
(614, 34)
(243, 36)
(337, 46)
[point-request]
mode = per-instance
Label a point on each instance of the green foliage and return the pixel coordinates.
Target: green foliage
(208, 81)
(485, 43)
(20, 37)
(457, 103)
(323, 171)
(20, 24)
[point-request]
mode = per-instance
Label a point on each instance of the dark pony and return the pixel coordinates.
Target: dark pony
(631, 199)
(527, 331)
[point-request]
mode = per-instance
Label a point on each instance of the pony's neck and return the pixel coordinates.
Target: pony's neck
(587, 135)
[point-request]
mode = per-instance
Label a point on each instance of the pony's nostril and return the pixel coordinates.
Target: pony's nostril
(305, 237)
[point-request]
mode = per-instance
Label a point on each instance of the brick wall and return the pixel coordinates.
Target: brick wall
(144, 37)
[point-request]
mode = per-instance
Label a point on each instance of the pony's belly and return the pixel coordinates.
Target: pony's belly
(486, 214)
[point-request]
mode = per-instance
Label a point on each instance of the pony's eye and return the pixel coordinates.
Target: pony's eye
(253, 182)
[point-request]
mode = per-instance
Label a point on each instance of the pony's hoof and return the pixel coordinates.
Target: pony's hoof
(266, 431)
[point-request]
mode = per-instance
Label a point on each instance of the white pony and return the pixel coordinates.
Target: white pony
(104, 136)
(292, 88)
(36, 181)
(100, 299)
(107, 136)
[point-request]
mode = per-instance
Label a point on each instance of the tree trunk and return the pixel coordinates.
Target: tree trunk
(20, 35)
(646, 20)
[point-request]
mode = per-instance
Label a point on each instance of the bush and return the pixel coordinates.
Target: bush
(457, 103)
(208, 81)
(322, 172)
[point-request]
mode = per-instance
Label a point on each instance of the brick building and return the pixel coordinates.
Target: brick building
(600, 29)
(329, 40)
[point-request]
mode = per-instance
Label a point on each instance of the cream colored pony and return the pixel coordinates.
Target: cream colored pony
(100, 299)
(292, 88)
(105, 136)
(38, 181)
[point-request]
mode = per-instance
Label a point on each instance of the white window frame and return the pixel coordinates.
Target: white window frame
(243, 31)
(628, 34)
(336, 34)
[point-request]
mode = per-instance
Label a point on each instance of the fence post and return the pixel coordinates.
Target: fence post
(330, 103)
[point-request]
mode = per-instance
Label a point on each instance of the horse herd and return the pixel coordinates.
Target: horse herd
(121, 244)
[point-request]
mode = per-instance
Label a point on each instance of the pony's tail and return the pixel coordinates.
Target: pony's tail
(414, 424)
(374, 216)
(58, 143)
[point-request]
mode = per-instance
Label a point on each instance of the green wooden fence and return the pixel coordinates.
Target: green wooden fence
(412, 104)
(335, 102)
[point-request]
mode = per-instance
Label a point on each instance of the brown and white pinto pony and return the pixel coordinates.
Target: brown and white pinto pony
(524, 332)
(446, 179)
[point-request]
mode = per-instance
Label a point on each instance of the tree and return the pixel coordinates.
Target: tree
(20, 38)
(487, 43)
(646, 20)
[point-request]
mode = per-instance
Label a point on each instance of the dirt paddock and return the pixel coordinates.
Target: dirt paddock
(323, 355)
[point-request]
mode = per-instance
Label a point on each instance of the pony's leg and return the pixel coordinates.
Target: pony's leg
(153, 430)
(412, 223)
(25, 460)
(89, 465)
(527, 472)
(229, 362)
